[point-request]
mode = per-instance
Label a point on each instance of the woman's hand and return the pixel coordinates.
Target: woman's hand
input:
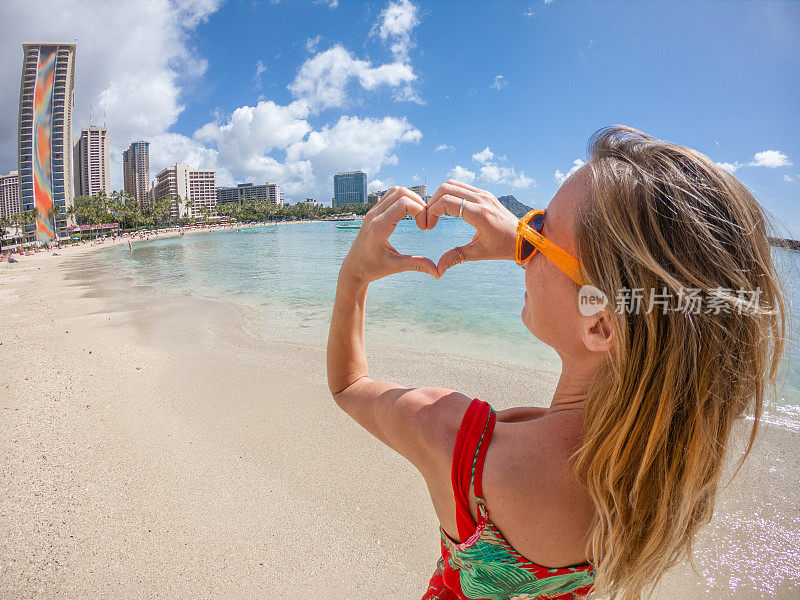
(372, 256)
(495, 225)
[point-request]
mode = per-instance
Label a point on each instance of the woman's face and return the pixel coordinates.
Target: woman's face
(551, 298)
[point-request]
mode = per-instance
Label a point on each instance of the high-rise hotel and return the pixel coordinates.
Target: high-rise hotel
(45, 132)
(92, 172)
(9, 195)
(136, 170)
(191, 191)
(349, 187)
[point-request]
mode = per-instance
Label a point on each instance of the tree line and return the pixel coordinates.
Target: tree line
(121, 208)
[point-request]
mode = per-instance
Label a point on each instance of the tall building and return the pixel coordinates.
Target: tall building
(174, 182)
(194, 189)
(203, 192)
(375, 196)
(92, 162)
(9, 195)
(419, 190)
(230, 194)
(269, 192)
(46, 97)
(136, 170)
(349, 188)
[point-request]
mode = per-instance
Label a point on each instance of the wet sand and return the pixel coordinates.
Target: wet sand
(155, 446)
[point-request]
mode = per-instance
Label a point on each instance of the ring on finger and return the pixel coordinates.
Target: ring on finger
(461, 208)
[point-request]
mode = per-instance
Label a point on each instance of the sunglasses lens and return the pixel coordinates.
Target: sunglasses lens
(526, 250)
(536, 221)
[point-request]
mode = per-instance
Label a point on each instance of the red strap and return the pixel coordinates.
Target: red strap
(478, 418)
(484, 446)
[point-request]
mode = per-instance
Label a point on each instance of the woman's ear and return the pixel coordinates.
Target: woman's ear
(598, 332)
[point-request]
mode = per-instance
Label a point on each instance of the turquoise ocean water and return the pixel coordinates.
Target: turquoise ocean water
(287, 274)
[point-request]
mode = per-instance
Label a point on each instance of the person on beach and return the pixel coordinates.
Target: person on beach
(602, 491)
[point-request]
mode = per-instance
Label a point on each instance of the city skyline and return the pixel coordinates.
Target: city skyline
(391, 88)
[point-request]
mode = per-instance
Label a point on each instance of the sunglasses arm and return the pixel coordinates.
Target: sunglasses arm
(560, 257)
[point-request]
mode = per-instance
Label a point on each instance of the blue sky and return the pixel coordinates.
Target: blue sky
(529, 80)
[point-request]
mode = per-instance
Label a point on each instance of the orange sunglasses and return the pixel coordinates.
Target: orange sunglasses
(530, 241)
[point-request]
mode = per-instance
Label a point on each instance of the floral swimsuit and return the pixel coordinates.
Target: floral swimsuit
(485, 566)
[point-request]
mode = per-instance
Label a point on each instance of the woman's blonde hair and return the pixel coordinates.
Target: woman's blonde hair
(663, 219)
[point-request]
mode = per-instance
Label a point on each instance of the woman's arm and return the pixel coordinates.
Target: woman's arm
(419, 423)
(371, 257)
(409, 420)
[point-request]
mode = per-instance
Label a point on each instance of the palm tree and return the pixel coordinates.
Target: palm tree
(4, 224)
(52, 216)
(189, 204)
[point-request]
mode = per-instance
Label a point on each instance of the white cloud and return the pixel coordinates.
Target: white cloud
(247, 141)
(499, 83)
(491, 172)
(133, 58)
(529, 12)
(378, 185)
(790, 179)
(312, 43)
(172, 148)
(770, 158)
(497, 174)
(322, 80)
(730, 167)
(459, 173)
(261, 68)
(548, 1)
(352, 143)
(483, 156)
(521, 181)
(253, 131)
(397, 21)
(560, 177)
(442, 147)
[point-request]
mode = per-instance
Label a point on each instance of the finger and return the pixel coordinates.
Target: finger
(384, 201)
(407, 262)
(398, 209)
(392, 195)
(452, 205)
(448, 188)
(419, 217)
(456, 256)
(466, 186)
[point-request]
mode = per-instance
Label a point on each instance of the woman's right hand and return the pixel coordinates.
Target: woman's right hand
(495, 225)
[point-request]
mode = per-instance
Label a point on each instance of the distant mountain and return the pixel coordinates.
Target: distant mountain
(515, 206)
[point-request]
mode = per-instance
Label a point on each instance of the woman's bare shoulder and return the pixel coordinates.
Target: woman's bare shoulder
(531, 492)
(520, 413)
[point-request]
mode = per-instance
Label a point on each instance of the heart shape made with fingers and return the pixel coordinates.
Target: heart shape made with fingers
(495, 226)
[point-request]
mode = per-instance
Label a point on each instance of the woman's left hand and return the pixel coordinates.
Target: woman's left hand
(371, 256)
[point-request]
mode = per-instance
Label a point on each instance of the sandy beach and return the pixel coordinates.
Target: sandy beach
(154, 446)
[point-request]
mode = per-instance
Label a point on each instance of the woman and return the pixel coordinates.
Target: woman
(605, 489)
